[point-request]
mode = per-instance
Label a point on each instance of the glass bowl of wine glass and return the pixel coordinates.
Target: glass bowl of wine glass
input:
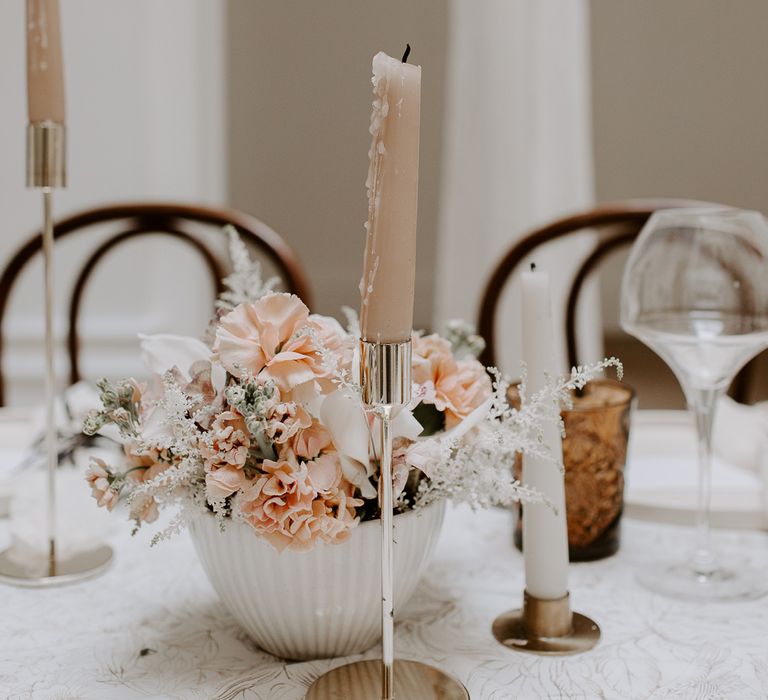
(695, 290)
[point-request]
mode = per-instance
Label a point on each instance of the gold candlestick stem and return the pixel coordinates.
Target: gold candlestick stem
(46, 170)
(50, 381)
(385, 378)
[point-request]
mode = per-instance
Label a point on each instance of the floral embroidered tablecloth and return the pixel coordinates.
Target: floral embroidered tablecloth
(153, 628)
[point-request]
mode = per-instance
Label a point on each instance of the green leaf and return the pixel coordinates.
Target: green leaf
(432, 420)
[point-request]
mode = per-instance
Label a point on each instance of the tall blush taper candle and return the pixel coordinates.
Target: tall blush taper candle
(45, 75)
(545, 535)
(387, 285)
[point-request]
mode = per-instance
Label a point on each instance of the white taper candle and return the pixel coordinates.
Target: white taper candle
(545, 534)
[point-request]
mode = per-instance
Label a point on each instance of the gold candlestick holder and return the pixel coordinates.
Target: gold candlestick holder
(385, 378)
(546, 627)
(46, 170)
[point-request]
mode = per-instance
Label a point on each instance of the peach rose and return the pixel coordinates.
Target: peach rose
(455, 387)
(100, 481)
(266, 338)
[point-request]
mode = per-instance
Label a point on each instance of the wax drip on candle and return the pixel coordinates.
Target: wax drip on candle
(407, 53)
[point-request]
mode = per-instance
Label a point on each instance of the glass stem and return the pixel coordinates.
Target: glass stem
(703, 403)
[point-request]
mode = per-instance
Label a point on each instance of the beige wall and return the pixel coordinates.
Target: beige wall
(680, 99)
(299, 102)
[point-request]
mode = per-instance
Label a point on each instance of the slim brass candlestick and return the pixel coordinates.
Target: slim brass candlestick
(46, 170)
(385, 378)
(546, 627)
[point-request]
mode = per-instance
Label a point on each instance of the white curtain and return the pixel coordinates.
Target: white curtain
(144, 85)
(518, 153)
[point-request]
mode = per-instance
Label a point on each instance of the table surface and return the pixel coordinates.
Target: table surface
(152, 627)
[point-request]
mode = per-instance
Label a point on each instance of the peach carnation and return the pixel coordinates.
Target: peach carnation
(144, 509)
(456, 387)
(285, 420)
(336, 340)
(325, 473)
(269, 338)
(100, 481)
(293, 505)
(145, 464)
(333, 517)
(278, 502)
(225, 451)
(309, 442)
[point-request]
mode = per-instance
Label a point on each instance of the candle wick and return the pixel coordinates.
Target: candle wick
(533, 267)
(407, 53)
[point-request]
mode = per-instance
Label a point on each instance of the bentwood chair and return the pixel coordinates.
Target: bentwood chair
(615, 225)
(182, 222)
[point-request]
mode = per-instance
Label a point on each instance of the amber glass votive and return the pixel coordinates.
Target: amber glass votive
(594, 456)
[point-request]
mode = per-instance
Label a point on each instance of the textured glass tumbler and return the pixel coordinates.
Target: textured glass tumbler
(594, 456)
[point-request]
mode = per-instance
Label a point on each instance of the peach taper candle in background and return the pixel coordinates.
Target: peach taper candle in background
(45, 75)
(387, 286)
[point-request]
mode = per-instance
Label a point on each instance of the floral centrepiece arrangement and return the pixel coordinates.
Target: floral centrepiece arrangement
(264, 423)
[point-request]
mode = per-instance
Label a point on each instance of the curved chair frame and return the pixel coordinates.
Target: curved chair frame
(616, 225)
(144, 219)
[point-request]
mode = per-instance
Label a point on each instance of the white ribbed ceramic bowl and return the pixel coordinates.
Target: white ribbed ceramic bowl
(320, 603)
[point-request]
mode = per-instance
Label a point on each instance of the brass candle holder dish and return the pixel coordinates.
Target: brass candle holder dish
(546, 627)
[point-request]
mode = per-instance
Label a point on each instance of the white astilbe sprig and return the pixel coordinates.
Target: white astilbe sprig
(477, 472)
(245, 283)
(177, 485)
(164, 487)
(339, 375)
(177, 437)
(188, 511)
(176, 430)
(476, 467)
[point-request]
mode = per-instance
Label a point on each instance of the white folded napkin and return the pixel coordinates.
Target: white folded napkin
(21, 431)
(740, 434)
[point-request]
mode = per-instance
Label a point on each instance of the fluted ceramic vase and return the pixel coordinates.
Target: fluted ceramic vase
(316, 604)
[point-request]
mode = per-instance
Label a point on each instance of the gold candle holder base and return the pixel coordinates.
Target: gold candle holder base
(546, 627)
(362, 681)
(40, 572)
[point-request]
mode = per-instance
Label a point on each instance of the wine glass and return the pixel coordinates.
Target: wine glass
(695, 290)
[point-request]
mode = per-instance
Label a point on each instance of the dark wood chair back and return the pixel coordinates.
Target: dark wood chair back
(128, 221)
(615, 225)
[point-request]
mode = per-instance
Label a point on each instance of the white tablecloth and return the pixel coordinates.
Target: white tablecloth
(153, 628)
